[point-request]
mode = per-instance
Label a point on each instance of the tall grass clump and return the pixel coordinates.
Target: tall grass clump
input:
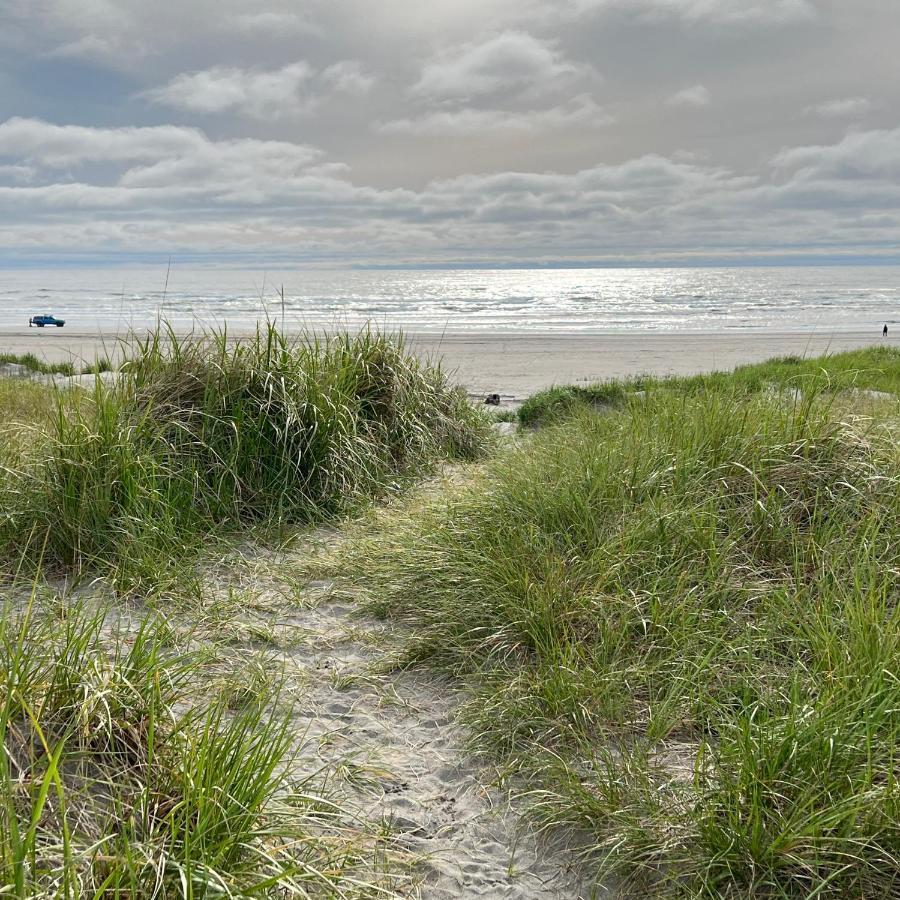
(560, 402)
(206, 433)
(121, 775)
(680, 623)
(36, 365)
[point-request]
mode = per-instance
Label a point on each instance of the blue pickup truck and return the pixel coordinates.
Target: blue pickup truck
(41, 321)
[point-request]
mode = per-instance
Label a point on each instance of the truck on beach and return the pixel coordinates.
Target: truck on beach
(41, 321)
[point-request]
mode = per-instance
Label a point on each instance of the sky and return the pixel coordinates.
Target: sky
(403, 132)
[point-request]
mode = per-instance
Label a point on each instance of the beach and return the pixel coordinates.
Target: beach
(518, 364)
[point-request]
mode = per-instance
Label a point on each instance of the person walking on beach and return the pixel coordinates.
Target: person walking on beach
(884, 330)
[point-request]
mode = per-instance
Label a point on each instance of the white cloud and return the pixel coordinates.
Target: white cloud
(513, 59)
(291, 91)
(172, 154)
(838, 109)
(348, 77)
(696, 96)
(581, 112)
(224, 163)
(59, 146)
(860, 155)
(261, 94)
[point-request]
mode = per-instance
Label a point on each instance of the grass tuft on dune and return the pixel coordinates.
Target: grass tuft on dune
(679, 623)
(205, 434)
(870, 369)
(124, 773)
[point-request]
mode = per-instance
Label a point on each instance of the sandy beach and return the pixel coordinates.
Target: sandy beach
(518, 364)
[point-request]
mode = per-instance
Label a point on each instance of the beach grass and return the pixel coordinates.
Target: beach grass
(677, 617)
(146, 755)
(38, 366)
(203, 435)
(126, 774)
(870, 369)
(673, 603)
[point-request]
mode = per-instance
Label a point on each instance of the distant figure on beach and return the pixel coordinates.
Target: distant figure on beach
(884, 330)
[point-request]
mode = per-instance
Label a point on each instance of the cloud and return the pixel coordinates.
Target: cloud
(418, 163)
(492, 87)
(838, 109)
(177, 187)
(348, 77)
(94, 47)
(60, 146)
(580, 112)
(291, 91)
(257, 93)
(16, 174)
(166, 148)
(126, 33)
(272, 22)
(696, 96)
(513, 59)
(860, 155)
(709, 12)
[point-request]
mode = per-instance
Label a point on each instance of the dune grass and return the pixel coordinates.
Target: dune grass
(872, 368)
(563, 401)
(39, 366)
(678, 618)
(869, 369)
(27, 414)
(124, 775)
(203, 435)
(131, 765)
(66, 368)
(679, 624)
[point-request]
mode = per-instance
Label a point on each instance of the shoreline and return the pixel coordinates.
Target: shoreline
(516, 364)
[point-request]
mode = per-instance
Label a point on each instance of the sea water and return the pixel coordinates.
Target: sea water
(820, 299)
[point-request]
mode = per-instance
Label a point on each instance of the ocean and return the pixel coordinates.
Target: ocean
(820, 299)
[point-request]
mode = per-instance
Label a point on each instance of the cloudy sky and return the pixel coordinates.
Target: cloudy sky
(403, 131)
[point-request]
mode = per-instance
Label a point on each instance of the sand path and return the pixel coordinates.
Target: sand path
(400, 757)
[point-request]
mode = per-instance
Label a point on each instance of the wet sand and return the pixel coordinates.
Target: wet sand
(517, 364)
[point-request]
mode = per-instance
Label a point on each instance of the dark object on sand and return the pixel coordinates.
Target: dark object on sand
(884, 330)
(41, 321)
(492, 399)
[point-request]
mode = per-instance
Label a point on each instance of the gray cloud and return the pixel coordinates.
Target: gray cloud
(449, 130)
(580, 112)
(178, 184)
(715, 12)
(837, 109)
